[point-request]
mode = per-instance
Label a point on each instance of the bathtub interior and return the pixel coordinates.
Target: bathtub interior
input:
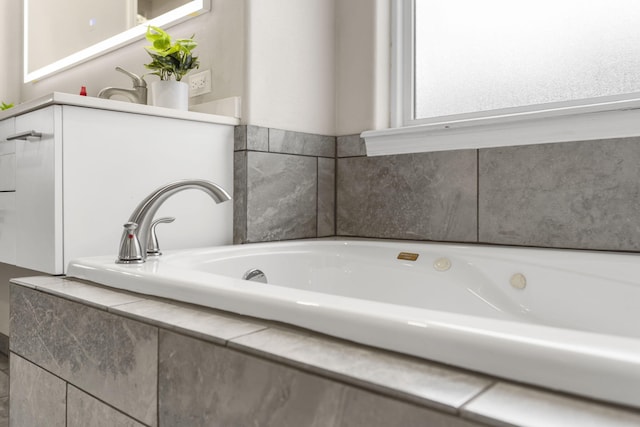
(593, 292)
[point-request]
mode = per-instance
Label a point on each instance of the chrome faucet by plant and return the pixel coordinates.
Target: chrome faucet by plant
(134, 244)
(138, 94)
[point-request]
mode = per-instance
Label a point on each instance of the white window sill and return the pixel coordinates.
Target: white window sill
(616, 119)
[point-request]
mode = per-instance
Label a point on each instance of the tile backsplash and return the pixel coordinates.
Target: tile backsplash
(427, 196)
(581, 194)
(576, 195)
(284, 185)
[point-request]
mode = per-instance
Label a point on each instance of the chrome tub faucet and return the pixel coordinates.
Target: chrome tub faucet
(134, 244)
(137, 95)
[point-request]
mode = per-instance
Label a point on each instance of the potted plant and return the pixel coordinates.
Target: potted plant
(4, 106)
(171, 61)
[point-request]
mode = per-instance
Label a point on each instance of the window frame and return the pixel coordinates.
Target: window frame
(604, 117)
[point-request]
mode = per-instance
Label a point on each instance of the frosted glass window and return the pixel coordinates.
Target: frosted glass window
(478, 55)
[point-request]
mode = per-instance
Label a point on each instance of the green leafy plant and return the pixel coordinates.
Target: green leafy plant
(169, 58)
(4, 106)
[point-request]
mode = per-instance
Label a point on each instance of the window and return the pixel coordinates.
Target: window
(476, 56)
(477, 73)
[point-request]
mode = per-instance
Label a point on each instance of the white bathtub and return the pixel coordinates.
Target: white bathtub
(565, 320)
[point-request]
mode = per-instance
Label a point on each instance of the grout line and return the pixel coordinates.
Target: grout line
(245, 234)
(229, 340)
(335, 196)
(317, 195)
(483, 390)
(478, 196)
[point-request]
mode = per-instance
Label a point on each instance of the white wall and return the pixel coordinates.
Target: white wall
(317, 66)
(11, 60)
(362, 65)
(290, 68)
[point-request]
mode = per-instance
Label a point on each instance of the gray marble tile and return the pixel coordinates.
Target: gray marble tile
(37, 398)
(4, 384)
(405, 377)
(251, 391)
(190, 320)
(573, 195)
(240, 138)
(4, 411)
(512, 405)
(326, 197)
(4, 346)
(95, 296)
(281, 197)
(249, 137)
(284, 141)
(257, 138)
(425, 196)
(240, 197)
(350, 146)
(84, 410)
(4, 363)
(359, 408)
(34, 281)
(110, 357)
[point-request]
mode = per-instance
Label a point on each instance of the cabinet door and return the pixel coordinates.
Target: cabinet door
(7, 192)
(7, 155)
(8, 227)
(39, 192)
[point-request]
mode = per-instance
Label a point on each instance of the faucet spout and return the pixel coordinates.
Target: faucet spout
(138, 94)
(143, 215)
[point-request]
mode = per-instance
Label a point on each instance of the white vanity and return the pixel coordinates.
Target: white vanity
(66, 191)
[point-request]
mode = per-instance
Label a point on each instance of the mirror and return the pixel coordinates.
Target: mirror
(60, 34)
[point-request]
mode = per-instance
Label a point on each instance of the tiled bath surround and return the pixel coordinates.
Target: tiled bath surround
(284, 185)
(577, 195)
(211, 368)
(581, 195)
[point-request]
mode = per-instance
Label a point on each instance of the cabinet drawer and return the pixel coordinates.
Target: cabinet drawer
(8, 228)
(8, 172)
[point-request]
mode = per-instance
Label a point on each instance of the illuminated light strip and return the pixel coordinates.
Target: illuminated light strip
(193, 8)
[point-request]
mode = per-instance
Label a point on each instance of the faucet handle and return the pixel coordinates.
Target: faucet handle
(130, 249)
(137, 80)
(153, 249)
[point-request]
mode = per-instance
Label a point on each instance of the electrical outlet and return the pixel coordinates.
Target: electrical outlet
(200, 83)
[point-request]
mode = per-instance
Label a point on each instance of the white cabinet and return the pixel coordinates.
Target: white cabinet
(7, 192)
(39, 191)
(7, 155)
(8, 227)
(78, 183)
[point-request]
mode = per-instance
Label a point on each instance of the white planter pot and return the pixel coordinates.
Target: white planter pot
(170, 94)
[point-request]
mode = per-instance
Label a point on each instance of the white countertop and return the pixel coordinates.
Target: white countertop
(58, 98)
